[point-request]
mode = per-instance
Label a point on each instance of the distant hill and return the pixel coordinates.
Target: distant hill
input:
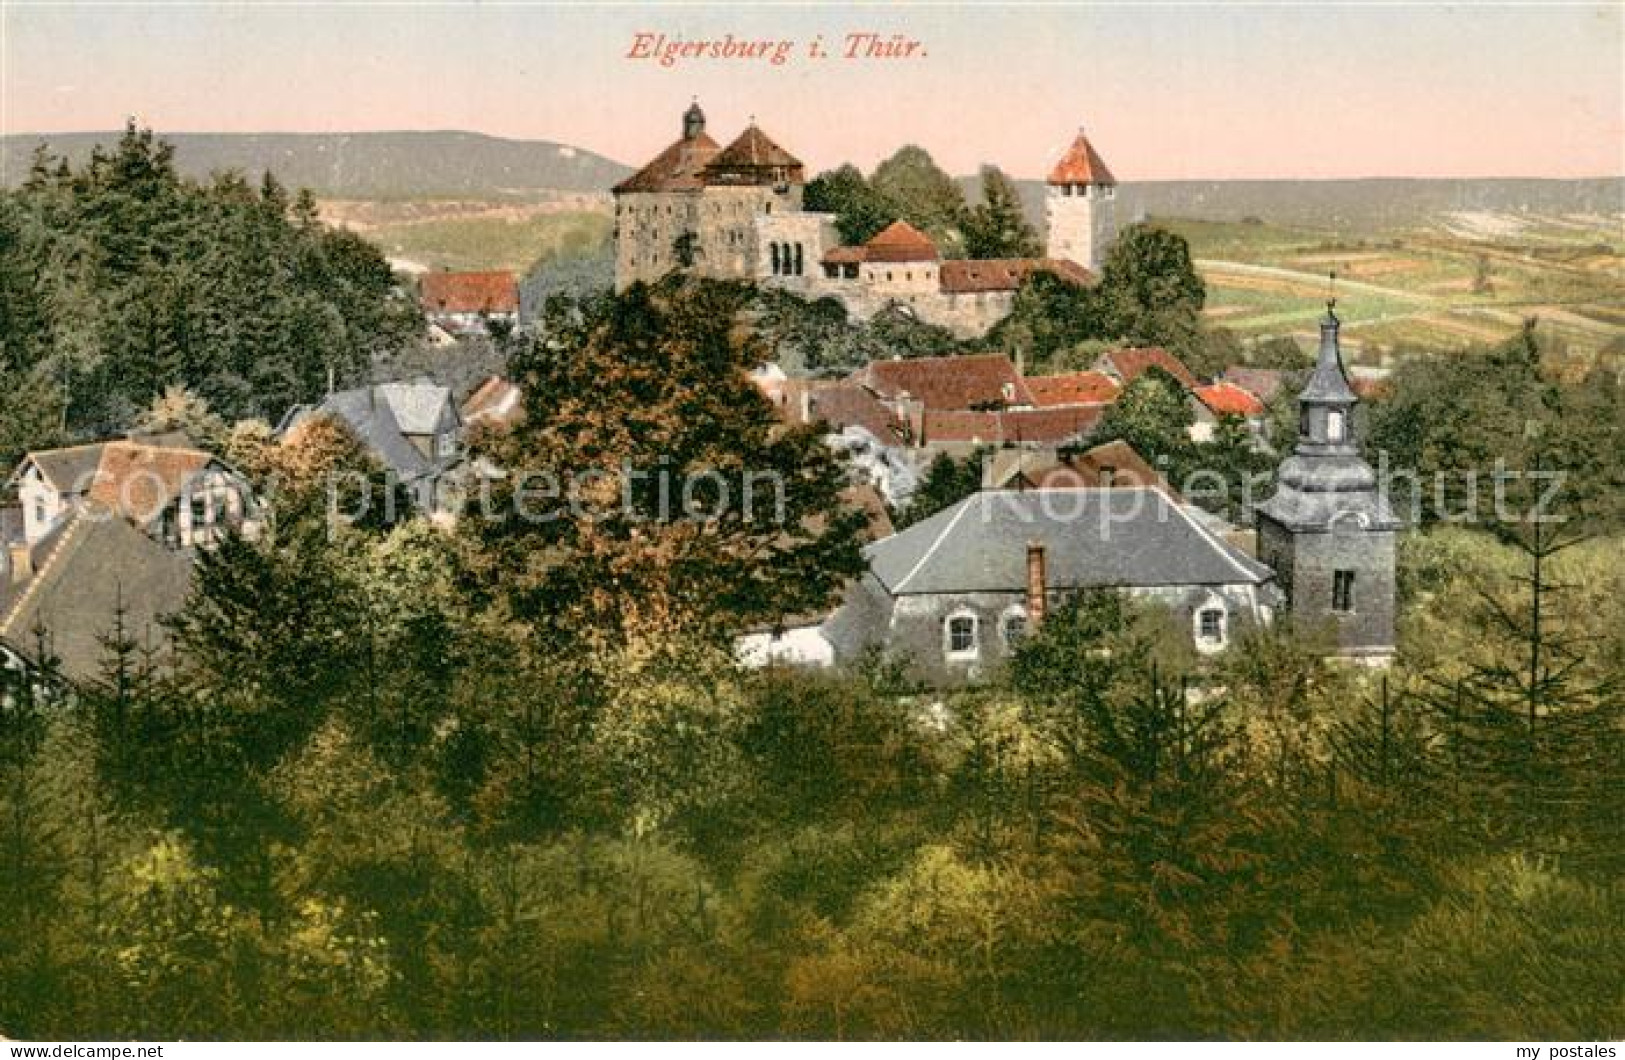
(372, 165)
(1344, 205)
(451, 164)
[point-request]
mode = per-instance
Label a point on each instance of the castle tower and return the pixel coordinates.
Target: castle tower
(1328, 531)
(1079, 206)
(693, 121)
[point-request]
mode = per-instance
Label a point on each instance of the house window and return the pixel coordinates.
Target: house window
(39, 511)
(1334, 426)
(1210, 625)
(1343, 591)
(774, 247)
(200, 510)
(1014, 627)
(959, 635)
(798, 259)
(445, 445)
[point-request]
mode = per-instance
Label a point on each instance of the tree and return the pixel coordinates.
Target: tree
(1152, 414)
(1151, 287)
(947, 481)
(651, 487)
(860, 210)
(1049, 317)
(919, 192)
(178, 409)
(123, 279)
(997, 227)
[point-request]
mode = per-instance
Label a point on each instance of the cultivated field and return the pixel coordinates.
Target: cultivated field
(513, 234)
(1463, 280)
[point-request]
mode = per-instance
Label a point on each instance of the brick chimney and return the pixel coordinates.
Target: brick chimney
(1036, 582)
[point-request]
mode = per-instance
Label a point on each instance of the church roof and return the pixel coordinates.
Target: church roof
(1329, 384)
(900, 241)
(1081, 164)
(753, 150)
(677, 168)
(1092, 538)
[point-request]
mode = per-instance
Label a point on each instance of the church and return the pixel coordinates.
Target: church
(735, 212)
(953, 594)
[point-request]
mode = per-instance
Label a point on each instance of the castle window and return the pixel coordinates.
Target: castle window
(1343, 591)
(767, 207)
(1335, 427)
(959, 635)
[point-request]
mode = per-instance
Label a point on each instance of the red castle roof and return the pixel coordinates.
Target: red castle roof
(900, 241)
(1081, 164)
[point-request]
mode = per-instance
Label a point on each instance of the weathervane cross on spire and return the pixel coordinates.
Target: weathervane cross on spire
(1331, 291)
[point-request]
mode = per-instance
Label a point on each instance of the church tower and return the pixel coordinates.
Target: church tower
(1079, 204)
(1328, 531)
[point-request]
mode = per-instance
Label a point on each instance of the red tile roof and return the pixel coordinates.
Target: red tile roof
(845, 405)
(469, 292)
(753, 158)
(901, 241)
(140, 481)
(1228, 399)
(1006, 274)
(677, 168)
(1264, 382)
(845, 255)
(1115, 464)
(1073, 388)
(1128, 365)
(973, 381)
(1012, 427)
(1081, 164)
(496, 401)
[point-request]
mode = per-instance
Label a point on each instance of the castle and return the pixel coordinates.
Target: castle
(736, 212)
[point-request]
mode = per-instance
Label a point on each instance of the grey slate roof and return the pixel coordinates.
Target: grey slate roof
(1092, 537)
(69, 470)
(371, 412)
(82, 571)
(418, 406)
(1329, 384)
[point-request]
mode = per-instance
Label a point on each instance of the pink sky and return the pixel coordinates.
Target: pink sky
(1183, 91)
